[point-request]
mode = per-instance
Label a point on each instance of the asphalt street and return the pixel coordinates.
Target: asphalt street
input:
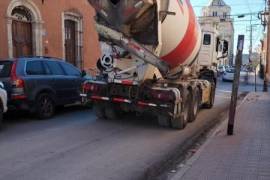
(75, 145)
(244, 87)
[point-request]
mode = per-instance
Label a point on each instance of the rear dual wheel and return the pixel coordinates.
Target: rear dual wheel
(189, 112)
(181, 121)
(108, 111)
(194, 105)
(99, 111)
(164, 120)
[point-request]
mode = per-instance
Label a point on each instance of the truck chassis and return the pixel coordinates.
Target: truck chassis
(174, 103)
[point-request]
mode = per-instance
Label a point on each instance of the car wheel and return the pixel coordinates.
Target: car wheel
(45, 106)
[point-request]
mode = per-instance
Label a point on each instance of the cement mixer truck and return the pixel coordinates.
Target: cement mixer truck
(158, 61)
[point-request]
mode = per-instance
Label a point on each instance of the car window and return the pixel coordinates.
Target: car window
(5, 68)
(71, 70)
(55, 68)
(207, 39)
(35, 68)
(230, 70)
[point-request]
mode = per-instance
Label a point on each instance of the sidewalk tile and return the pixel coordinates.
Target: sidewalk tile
(246, 155)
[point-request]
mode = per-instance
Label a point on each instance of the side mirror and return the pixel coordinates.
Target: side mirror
(223, 49)
(83, 73)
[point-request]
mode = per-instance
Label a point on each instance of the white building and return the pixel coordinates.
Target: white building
(218, 15)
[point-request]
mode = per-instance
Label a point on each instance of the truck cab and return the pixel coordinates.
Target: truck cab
(212, 49)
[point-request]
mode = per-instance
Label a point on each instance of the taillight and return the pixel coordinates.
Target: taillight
(94, 88)
(17, 84)
(86, 87)
(162, 95)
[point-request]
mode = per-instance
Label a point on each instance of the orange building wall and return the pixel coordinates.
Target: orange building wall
(3, 29)
(51, 12)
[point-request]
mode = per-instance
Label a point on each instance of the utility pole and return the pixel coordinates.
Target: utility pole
(250, 46)
(251, 40)
(235, 87)
(265, 84)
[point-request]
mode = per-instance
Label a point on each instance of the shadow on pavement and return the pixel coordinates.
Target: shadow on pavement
(21, 117)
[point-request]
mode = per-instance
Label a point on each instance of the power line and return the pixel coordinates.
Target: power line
(232, 5)
(234, 15)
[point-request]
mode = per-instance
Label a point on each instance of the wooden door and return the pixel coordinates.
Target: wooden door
(22, 38)
(70, 41)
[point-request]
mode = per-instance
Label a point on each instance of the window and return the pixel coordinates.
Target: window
(72, 24)
(35, 68)
(207, 39)
(215, 13)
(217, 44)
(55, 68)
(5, 68)
(21, 13)
(70, 70)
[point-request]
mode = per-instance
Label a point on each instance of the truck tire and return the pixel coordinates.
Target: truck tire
(164, 121)
(181, 121)
(194, 105)
(110, 113)
(113, 111)
(99, 110)
(45, 106)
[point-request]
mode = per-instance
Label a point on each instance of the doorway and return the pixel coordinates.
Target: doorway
(22, 32)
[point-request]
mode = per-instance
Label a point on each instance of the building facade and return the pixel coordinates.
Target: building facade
(263, 60)
(62, 29)
(217, 14)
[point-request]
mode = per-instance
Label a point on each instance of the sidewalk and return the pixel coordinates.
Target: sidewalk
(244, 156)
(251, 79)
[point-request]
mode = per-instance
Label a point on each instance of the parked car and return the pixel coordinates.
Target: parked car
(221, 69)
(3, 102)
(39, 84)
(228, 75)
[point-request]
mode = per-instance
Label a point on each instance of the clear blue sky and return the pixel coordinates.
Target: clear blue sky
(241, 25)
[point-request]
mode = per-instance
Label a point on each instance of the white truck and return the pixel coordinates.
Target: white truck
(161, 61)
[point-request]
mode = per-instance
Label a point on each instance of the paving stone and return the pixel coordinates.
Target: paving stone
(246, 155)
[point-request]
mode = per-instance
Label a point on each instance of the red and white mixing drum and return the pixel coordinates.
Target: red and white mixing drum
(181, 34)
